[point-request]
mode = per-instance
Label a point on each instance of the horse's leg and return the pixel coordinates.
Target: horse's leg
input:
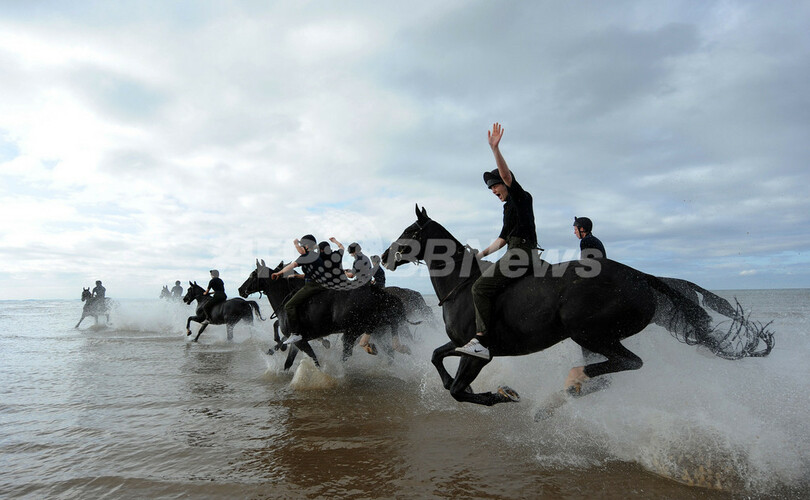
(80, 321)
(229, 328)
(279, 344)
(304, 346)
(448, 349)
(468, 368)
(202, 329)
(619, 358)
(291, 357)
(348, 344)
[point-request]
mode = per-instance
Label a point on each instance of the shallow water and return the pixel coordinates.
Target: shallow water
(135, 410)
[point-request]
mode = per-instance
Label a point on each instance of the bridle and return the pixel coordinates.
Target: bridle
(457, 257)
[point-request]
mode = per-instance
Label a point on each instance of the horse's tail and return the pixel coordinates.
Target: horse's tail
(691, 324)
(684, 319)
(255, 306)
(713, 301)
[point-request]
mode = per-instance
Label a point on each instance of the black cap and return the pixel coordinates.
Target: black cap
(583, 222)
(492, 178)
(308, 240)
(354, 247)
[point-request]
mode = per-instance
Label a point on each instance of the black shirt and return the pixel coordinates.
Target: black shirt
(99, 291)
(312, 265)
(518, 215)
(379, 276)
(217, 286)
(361, 268)
(591, 242)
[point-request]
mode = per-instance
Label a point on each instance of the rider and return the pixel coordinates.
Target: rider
(361, 267)
(589, 245)
(312, 264)
(378, 278)
(218, 287)
(177, 290)
(99, 291)
(332, 259)
(518, 234)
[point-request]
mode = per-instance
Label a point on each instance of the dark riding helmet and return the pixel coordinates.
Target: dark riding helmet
(354, 248)
(583, 222)
(98, 282)
(308, 241)
(177, 282)
(324, 247)
(492, 178)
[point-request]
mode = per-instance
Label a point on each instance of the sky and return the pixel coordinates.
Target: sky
(147, 142)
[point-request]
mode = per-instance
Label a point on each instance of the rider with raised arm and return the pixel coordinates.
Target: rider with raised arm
(311, 263)
(518, 234)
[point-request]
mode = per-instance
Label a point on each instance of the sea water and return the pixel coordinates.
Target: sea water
(134, 409)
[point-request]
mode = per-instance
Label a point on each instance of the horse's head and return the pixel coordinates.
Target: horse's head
(410, 246)
(194, 292)
(258, 278)
(86, 294)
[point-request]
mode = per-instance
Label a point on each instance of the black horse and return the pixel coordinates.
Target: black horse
(366, 309)
(229, 313)
(165, 293)
(413, 301)
(595, 302)
(93, 306)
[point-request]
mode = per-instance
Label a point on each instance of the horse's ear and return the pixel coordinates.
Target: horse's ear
(416, 209)
(263, 264)
(190, 283)
(257, 262)
(421, 215)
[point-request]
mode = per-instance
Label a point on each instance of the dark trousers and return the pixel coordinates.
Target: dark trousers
(291, 307)
(209, 306)
(516, 263)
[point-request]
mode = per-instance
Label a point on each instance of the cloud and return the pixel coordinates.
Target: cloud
(148, 142)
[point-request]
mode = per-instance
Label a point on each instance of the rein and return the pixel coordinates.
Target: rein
(459, 256)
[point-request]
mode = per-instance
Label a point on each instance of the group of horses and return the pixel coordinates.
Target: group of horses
(597, 310)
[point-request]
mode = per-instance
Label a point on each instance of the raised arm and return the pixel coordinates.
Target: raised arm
(299, 247)
(336, 242)
(494, 137)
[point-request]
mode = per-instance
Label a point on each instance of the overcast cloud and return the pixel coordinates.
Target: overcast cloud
(144, 142)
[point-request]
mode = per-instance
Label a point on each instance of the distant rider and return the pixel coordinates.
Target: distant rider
(518, 234)
(312, 265)
(177, 290)
(217, 286)
(99, 292)
(589, 245)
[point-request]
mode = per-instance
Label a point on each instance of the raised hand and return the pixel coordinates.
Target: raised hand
(494, 135)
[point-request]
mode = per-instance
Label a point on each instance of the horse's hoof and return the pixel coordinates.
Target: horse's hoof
(509, 393)
(271, 351)
(188, 332)
(574, 390)
(370, 348)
